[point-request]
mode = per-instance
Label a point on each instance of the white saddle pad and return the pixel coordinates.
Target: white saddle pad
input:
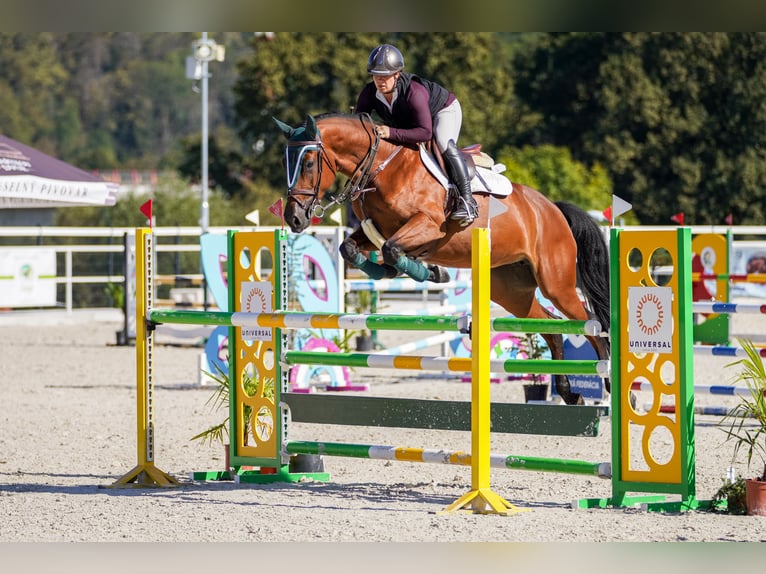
(490, 181)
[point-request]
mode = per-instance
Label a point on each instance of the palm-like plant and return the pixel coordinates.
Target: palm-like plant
(752, 406)
(220, 400)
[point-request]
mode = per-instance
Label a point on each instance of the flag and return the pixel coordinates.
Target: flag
(620, 206)
(337, 216)
(146, 209)
(276, 209)
(315, 220)
(496, 207)
(254, 217)
(678, 218)
(607, 213)
(729, 219)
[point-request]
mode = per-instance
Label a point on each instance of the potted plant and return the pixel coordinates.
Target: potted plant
(533, 347)
(745, 424)
(362, 303)
(220, 432)
(734, 494)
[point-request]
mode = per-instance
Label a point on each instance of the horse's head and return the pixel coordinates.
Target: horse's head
(307, 181)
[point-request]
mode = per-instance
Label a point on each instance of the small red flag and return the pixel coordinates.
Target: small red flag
(607, 213)
(678, 218)
(276, 209)
(146, 209)
(729, 219)
(315, 220)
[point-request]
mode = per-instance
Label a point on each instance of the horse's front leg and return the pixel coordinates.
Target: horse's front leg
(410, 238)
(351, 251)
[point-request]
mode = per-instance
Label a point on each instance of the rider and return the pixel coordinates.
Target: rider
(414, 110)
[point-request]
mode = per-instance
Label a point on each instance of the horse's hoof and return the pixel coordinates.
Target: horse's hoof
(438, 274)
(391, 253)
(349, 250)
(573, 399)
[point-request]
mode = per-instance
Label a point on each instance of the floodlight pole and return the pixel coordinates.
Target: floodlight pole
(204, 220)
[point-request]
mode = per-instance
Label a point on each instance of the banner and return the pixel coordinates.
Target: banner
(27, 277)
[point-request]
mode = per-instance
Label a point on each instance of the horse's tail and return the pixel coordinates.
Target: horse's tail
(592, 260)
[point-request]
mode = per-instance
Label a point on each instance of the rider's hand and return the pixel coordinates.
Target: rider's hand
(382, 131)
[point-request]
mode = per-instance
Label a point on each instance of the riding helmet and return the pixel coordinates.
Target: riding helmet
(385, 60)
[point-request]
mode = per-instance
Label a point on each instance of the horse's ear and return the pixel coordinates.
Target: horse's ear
(287, 130)
(311, 127)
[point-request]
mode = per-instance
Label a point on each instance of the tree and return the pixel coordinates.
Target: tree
(554, 173)
(32, 85)
(294, 74)
(677, 119)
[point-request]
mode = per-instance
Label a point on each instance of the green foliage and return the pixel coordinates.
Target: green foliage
(360, 302)
(295, 74)
(219, 400)
(676, 118)
(672, 122)
(534, 347)
(738, 423)
(32, 85)
(733, 494)
(552, 171)
(116, 293)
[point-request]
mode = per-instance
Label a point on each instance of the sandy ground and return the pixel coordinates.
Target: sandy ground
(68, 431)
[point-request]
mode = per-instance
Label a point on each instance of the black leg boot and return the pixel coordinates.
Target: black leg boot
(467, 209)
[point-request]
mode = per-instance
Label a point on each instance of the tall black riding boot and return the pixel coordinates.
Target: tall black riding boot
(467, 209)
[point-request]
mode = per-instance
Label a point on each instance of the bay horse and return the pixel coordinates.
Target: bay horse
(557, 247)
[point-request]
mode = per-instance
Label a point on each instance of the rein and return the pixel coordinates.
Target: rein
(358, 182)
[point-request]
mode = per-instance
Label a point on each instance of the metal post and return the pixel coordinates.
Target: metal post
(204, 213)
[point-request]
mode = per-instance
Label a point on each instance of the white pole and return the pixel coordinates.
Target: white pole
(204, 213)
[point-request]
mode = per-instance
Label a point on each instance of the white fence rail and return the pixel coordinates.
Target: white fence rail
(69, 243)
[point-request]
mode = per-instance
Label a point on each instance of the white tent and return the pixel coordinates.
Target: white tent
(32, 179)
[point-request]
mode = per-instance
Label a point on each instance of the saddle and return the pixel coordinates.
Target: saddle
(485, 175)
(472, 155)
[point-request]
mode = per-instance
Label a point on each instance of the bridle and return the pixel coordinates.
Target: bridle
(357, 184)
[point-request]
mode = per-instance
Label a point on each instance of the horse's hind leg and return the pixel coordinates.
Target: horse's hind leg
(513, 287)
(564, 298)
(556, 347)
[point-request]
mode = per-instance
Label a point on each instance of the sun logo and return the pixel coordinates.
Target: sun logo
(649, 314)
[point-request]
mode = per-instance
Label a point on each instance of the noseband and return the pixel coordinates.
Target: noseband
(356, 184)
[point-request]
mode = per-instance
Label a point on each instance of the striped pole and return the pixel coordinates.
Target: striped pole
(716, 411)
(381, 322)
(555, 326)
(460, 458)
(727, 308)
(421, 344)
(720, 351)
(458, 364)
(727, 390)
(297, 320)
(399, 284)
(741, 277)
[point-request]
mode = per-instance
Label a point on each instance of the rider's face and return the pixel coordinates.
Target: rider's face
(385, 84)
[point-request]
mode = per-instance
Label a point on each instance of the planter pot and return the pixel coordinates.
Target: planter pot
(364, 343)
(755, 497)
(535, 393)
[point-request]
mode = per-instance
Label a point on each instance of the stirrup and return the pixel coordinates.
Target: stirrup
(464, 213)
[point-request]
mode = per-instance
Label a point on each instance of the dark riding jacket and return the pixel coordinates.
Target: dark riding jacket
(411, 117)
